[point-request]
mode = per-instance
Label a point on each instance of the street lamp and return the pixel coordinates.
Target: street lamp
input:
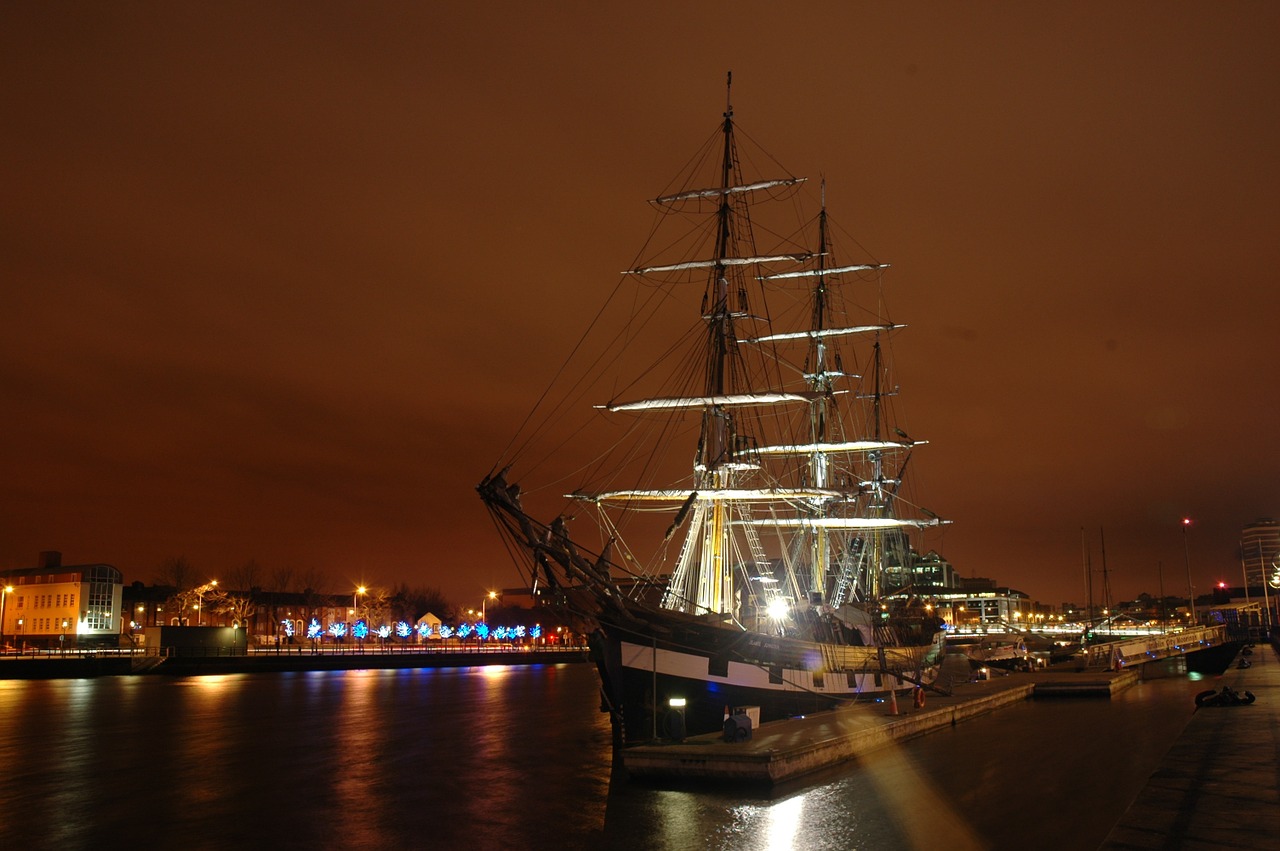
(1186, 551)
(355, 606)
(492, 595)
(200, 592)
(4, 598)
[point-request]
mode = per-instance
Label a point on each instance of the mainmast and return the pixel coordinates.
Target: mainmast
(820, 383)
(715, 586)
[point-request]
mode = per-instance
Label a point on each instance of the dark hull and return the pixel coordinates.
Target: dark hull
(641, 673)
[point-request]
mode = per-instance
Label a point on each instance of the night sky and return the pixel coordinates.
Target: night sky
(278, 280)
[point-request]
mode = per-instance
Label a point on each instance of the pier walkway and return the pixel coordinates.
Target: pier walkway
(1219, 786)
(782, 750)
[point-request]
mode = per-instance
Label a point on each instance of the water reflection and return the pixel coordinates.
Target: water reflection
(520, 756)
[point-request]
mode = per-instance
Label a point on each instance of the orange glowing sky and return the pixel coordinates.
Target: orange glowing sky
(279, 279)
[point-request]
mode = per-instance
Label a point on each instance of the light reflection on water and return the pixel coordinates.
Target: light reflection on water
(520, 756)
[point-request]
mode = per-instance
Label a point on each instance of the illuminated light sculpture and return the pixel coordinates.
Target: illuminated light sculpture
(482, 630)
(424, 630)
(519, 632)
(446, 631)
(464, 630)
(314, 630)
(536, 632)
(384, 632)
(403, 629)
(360, 630)
(287, 626)
(338, 630)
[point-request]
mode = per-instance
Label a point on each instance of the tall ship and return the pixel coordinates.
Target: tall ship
(731, 521)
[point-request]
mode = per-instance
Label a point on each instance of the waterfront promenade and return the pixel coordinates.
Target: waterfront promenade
(1218, 787)
(79, 664)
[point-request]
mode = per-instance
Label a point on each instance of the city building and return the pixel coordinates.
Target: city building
(931, 570)
(56, 605)
(1259, 550)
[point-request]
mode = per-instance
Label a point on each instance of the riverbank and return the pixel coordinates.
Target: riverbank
(103, 664)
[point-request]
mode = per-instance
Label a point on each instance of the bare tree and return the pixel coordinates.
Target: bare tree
(376, 606)
(419, 601)
(246, 577)
(175, 572)
(280, 579)
(238, 607)
(186, 600)
(315, 580)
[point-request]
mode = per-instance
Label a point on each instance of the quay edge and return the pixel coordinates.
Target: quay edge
(87, 666)
(780, 751)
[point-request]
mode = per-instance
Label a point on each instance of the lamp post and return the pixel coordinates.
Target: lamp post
(1191, 588)
(4, 598)
(200, 592)
(355, 606)
(492, 595)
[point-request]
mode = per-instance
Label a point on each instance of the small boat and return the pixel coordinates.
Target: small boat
(731, 522)
(1009, 652)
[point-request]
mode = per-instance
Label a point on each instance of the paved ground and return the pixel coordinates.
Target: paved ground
(1219, 785)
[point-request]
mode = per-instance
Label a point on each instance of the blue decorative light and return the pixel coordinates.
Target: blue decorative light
(464, 629)
(314, 630)
(519, 632)
(361, 630)
(500, 633)
(536, 632)
(424, 630)
(338, 630)
(482, 630)
(403, 629)
(384, 632)
(446, 631)
(288, 627)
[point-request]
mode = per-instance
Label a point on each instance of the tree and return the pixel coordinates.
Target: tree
(419, 601)
(314, 581)
(281, 579)
(246, 577)
(175, 572)
(236, 606)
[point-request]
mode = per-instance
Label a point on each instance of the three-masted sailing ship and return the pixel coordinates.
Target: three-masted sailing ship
(752, 542)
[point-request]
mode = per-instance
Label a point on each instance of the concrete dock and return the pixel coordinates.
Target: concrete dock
(1218, 786)
(783, 750)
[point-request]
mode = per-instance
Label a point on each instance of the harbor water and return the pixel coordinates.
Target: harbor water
(519, 756)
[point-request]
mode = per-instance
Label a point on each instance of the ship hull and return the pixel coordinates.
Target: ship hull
(640, 676)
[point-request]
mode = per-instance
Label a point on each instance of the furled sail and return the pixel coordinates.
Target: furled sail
(720, 192)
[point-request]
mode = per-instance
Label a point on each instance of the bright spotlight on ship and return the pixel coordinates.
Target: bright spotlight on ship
(778, 609)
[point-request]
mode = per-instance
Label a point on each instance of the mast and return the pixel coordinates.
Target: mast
(821, 383)
(715, 591)
(1106, 578)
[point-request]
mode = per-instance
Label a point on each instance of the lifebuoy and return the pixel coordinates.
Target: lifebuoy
(919, 698)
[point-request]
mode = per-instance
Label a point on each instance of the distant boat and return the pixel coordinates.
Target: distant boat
(751, 543)
(1008, 652)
